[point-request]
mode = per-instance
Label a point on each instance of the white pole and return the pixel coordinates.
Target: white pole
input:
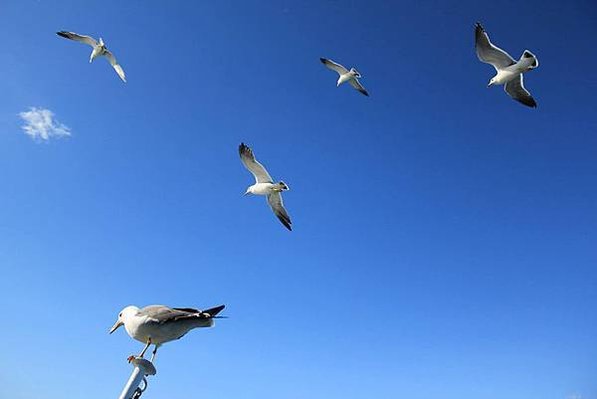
(142, 368)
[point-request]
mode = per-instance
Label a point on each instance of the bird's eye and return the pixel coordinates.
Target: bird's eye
(120, 315)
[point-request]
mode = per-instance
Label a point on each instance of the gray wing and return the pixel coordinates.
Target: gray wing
(357, 85)
(334, 66)
(489, 53)
(275, 202)
(515, 89)
(115, 65)
(248, 159)
(79, 38)
(162, 314)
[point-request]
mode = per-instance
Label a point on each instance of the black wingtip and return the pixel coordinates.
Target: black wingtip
(530, 102)
(285, 222)
(215, 310)
(62, 33)
(479, 28)
(323, 60)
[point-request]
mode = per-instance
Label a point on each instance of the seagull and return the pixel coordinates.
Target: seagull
(351, 76)
(264, 185)
(508, 71)
(99, 49)
(158, 324)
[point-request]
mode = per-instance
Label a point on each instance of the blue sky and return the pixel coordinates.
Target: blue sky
(444, 241)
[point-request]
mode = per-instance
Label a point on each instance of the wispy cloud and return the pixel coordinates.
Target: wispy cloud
(41, 125)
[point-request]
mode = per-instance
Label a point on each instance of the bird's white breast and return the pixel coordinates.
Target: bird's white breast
(344, 78)
(136, 329)
(262, 188)
(505, 75)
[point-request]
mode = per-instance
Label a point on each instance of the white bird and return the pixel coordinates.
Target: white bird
(158, 324)
(264, 185)
(508, 71)
(351, 76)
(99, 49)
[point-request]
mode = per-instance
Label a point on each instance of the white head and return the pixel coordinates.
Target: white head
(123, 316)
(249, 190)
(491, 82)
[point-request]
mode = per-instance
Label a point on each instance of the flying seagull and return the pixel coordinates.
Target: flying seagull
(351, 76)
(508, 71)
(158, 324)
(264, 185)
(99, 49)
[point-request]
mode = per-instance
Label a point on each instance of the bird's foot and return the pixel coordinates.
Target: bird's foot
(131, 358)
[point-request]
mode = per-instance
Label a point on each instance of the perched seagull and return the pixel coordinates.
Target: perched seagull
(508, 71)
(351, 76)
(159, 324)
(99, 49)
(264, 185)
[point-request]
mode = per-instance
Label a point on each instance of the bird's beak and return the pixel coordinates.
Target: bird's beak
(489, 84)
(247, 193)
(115, 326)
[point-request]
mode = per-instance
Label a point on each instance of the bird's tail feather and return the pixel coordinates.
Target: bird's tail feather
(527, 55)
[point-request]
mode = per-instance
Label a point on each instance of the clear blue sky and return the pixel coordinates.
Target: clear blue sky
(445, 236)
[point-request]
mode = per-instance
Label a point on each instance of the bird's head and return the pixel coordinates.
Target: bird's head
(123, 316)
(491, 82)
(248, 191)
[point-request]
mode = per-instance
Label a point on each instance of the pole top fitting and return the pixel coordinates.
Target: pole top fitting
(145, 365)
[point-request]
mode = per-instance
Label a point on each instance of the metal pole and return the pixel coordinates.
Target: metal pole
(142, 368)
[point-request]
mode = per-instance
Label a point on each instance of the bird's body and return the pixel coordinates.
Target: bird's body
(505, 75)
(99, 49)
(266, 188)
(508, 71)
(158, 324)
(351, 76)
(345, 78)
(264, 185)
(143, 327)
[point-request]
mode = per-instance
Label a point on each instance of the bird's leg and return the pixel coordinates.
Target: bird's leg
(145, 349)
(155, 349)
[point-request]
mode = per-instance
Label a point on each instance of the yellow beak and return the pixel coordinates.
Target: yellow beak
(115, 326)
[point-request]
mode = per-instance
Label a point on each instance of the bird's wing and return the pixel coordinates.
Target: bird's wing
(357, 85)
(215, 310)
(334, 66)
(162, 314)
(257, 169)
(275, 202)
(515, 89)
(211, 311)
(79, 38)
(489, 53)
(115, 65)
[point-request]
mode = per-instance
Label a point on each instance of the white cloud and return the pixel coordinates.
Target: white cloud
(40, 124)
